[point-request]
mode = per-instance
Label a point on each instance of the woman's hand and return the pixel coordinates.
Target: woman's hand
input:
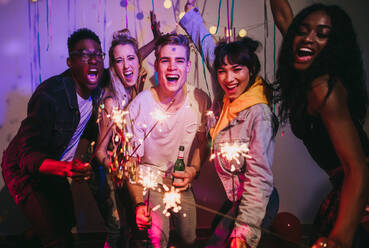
(238, 243)
(155, 26)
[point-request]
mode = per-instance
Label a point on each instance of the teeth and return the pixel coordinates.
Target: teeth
(303, 49)
(128, 73)
(172, 78)
(232, 86)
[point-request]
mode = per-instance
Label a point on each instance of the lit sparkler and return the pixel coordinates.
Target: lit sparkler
(233, 151)
(171, 200)
(148, 178)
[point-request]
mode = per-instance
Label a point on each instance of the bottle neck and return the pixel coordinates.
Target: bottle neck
(180, 155)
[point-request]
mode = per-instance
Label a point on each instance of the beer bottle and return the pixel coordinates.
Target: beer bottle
(179, 165)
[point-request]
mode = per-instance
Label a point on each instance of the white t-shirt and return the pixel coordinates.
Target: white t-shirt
(85, 109)
(160, 148)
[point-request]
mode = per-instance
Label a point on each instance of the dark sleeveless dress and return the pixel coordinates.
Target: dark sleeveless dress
(312, 132)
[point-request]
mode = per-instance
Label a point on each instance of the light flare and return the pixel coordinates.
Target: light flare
(233, 151)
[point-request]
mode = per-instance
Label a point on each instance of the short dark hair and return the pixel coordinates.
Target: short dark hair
(242, 52)
(172, 39)
(81, 34)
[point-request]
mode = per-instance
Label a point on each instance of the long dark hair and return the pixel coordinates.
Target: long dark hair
(340, 60)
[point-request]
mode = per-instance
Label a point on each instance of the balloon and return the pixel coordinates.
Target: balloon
(287, 226)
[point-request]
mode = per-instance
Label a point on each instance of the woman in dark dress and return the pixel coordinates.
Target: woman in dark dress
(323, 95)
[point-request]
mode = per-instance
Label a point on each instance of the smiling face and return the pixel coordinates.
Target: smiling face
(172, 67)
(126, 64)
(86, 72)
(311, 38)
(233, 78)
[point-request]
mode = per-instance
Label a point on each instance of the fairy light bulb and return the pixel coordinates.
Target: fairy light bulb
(229, 33)
(212, 30)
(167, 4)
(242, 32)
(181, 14)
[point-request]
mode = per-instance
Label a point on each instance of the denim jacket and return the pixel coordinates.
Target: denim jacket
(252, 177)
(52, 118)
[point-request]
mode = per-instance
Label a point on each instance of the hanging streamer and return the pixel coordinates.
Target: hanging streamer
(47, 26)
(69, 17)
(202, 52)
(232, 10)
(228, 31)
(105, 3)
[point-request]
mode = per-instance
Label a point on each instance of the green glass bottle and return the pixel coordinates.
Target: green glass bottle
(179, 165)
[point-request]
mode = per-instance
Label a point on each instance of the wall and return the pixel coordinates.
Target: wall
(33, 46)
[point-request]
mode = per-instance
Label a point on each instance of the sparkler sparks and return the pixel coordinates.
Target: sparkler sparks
(171, 200)
(233, 151)
(148, 178)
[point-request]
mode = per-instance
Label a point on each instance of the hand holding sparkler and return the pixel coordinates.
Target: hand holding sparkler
(143, 218)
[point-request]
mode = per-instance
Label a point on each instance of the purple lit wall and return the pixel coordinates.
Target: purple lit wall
(33, 47)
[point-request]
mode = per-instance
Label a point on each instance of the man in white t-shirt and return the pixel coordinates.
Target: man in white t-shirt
(184, 108)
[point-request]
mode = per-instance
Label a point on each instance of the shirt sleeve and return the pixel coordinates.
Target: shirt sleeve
(35, 132)
(258, 180)
(194, 26)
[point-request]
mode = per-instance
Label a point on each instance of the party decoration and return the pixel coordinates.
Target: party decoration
(167, 4)
(242, 33)
(287, 226)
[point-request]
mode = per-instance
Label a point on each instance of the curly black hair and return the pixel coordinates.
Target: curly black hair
(340, 60)
(81, 34)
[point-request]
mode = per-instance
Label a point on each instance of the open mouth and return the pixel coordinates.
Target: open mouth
(128, 75)
(172, 78)
(304, 54)
(92, 74)
(232, 87)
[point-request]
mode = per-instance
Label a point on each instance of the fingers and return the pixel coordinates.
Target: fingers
(143, 218)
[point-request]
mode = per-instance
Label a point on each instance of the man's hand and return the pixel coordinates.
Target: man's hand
(238, 243)
(187, 175)
(155, 25)
(143, 218)
(79, 171)
(75, 169)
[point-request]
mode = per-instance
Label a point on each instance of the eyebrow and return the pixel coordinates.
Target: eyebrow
(174, 58)
(319, 25)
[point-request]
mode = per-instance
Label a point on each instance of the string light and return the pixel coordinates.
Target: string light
(181, 14)
(213, 30)
(242, 32)
(167, 4)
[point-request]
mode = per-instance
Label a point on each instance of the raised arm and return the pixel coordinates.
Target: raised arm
(145, 50)
(193, 24)
(282, 14)
(345, 139)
